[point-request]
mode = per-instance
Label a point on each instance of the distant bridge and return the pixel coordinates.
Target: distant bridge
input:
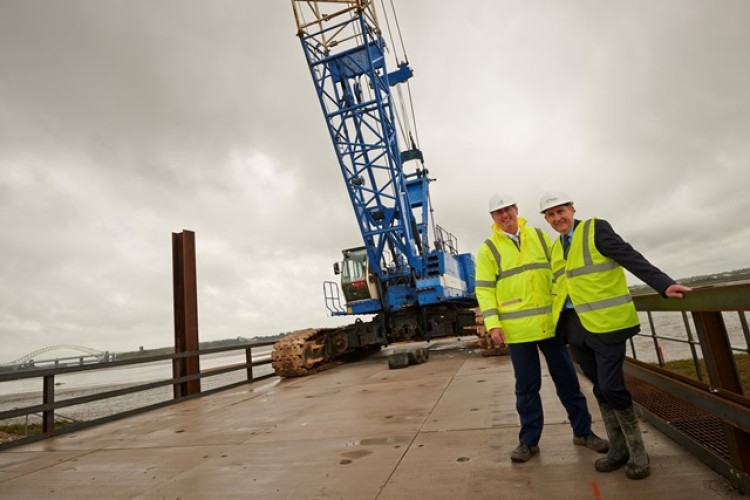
(85, 354)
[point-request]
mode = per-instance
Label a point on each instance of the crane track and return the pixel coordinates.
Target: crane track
(302, 353)
(312, 350)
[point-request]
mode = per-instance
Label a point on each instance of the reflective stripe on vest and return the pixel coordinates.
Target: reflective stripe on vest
(593, 268)
(490, 312)
(495, 252)
(603, 304)
(526, 313)
(520, 269)
(544, 244)
(485, 284)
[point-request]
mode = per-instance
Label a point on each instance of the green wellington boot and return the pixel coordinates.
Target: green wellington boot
(617, 456)
(638, 466)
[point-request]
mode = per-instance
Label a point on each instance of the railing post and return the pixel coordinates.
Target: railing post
(48, 397)
(249, 361)
(657, 347)
(185, 313)
(745, 330)
(693, 352)
(722, 374)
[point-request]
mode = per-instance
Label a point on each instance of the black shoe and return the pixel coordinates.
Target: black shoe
(523, 453)
(592, 441)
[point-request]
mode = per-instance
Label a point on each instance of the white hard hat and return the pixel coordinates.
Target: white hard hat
(553, 199)
(500, 200)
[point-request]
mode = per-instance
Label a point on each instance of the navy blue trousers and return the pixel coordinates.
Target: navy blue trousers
(601, 357)
(528, 373)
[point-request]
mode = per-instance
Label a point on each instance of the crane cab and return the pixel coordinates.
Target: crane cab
(357, 282)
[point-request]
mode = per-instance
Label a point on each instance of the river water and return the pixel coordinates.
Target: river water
(671, 324)
(22, 393)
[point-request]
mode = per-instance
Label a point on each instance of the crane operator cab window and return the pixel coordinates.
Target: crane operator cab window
(357, 282)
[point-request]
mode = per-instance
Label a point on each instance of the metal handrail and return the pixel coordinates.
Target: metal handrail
(683, 408)
(50, 405)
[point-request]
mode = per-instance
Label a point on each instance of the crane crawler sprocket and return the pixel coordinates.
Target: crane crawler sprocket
(310, 350)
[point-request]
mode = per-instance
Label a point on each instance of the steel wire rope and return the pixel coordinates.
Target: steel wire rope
(410, 114)
(413, 115)
(408, 122)
(404, 124)
(398, 29)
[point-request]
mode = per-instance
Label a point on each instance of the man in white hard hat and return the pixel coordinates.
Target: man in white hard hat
(593, 309)
(513, 286)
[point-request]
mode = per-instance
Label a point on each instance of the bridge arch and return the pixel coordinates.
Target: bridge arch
(60, 347)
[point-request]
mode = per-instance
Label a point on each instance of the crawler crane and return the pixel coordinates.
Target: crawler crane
(407, 273)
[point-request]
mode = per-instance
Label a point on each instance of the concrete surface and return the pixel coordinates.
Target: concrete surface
(439, 430)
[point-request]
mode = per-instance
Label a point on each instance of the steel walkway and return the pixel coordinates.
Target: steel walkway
(440, 430)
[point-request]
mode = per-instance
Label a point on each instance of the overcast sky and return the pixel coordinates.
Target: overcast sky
(123, 121)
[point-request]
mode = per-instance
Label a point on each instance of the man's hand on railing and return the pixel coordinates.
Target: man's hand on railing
(677, 291)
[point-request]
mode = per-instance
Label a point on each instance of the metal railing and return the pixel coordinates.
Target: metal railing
(708, 413)
(50, 405)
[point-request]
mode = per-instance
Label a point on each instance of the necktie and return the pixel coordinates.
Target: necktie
(566, 245)
(517, 241)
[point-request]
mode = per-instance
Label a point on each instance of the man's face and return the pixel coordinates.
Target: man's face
(506, 219)
(561, 218)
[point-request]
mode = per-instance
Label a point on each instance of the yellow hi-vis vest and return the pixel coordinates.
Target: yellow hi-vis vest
(514, 286)
(595, 284)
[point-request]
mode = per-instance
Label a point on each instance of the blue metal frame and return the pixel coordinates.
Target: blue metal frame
(346, 56)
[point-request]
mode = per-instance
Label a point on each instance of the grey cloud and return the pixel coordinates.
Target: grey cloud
(121, 122)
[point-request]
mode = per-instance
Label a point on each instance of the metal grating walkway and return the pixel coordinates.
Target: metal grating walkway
(696, 424)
